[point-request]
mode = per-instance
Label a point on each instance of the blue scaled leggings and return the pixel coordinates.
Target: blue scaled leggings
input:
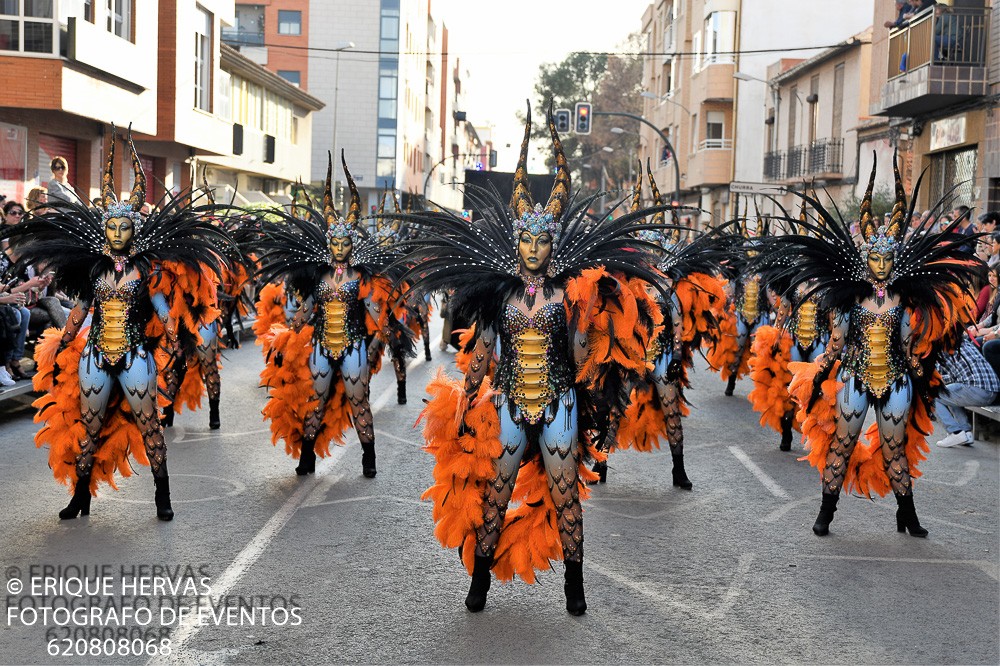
(352, 369)
(560, 451)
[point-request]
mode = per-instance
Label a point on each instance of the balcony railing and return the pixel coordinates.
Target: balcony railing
(715, 144)
(772, 165)
(957, 37)
(241, 37)
(819, 157)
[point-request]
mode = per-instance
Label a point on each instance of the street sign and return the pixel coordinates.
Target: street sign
(757, 188)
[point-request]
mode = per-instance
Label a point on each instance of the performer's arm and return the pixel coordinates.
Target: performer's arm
(74, 322)
(838, 338)
(908, 339)
(301, 316)
(162, 309)
(482, 356)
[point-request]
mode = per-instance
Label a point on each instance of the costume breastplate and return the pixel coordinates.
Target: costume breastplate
(115, 334)
(805, 324)
(339, 326)
(750, 306)
(873, 352)
(534, 364)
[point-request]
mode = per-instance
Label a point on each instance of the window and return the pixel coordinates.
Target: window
(28, 29)
(225, 107)
(714, 129)
(813, 108)
(88, 10)
(793, 109)
(120, 18)
(720, 37)
(838, 101)
(293, 76)
(203, 60)
(665, 152)
(954, 169)
(696, 47)
(667, 80)
(289, 22)
(694, 132)
(249, 28)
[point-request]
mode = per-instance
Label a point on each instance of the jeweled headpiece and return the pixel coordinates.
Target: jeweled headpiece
(337, 227)
(110, 206)
(529, 216)
(883, 238)
(387, 231)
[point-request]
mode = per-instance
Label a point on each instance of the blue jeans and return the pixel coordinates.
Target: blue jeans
(950, 405)
(23, 315)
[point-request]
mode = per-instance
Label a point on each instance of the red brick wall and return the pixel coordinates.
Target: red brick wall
(31, 83)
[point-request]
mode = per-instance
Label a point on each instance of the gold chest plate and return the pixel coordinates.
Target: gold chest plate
(805, 329)
(531, 383)
(751, 294)
(335, 329)
(878, 358)
(113, 342)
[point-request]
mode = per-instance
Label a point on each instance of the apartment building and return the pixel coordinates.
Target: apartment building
(69, 69)
(813, 118)
(705, 87)
(936, 82)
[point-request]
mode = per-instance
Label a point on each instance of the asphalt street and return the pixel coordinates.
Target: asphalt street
(727, 573)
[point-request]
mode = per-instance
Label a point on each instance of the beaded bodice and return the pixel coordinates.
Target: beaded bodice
(748, 303)
(805, 323)
(340, 323)
(873, 352)
(534, 367)
(115, 331)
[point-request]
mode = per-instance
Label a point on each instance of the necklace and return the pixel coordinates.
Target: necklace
(532, 284)
(879, 293)
(339, 267)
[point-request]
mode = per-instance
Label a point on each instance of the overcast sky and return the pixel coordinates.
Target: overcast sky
(503, 43)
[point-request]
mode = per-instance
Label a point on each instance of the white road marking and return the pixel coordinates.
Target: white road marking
(699, 609)
(989, 568)
(189, 625)
(762, 476)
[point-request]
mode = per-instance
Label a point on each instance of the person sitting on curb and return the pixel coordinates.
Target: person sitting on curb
(969, 382)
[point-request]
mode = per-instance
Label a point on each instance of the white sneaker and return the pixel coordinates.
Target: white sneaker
(961, 438)
(5, 378)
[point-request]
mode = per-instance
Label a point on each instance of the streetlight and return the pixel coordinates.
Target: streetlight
(663, 137)
(664, 98)
(342, 46)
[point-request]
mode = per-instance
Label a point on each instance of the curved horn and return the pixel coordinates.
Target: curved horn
(205, 186)
(329, 209)
(559, 198)
(138, 197)
(108, 194)
(520, 198)
(867, 224)
(395, 203)
(896, 226)
(637, 190)
(354, 210)
(658, 218)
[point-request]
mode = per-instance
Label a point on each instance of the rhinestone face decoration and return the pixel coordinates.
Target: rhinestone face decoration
(537, 222)
(122, 209)
(880, 243)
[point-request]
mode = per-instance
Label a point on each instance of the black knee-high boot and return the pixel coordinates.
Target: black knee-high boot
(162, 497)
(906, 516)
(427, 344)
(368, 459)
(401, 391)
(680, 476)
(168, 416)
(731, 385)
(475, 601)
(214, 422)
(826, 511)
(576, 604)
(307, 457)
(601, 468)
(79, 505)
(786, 433)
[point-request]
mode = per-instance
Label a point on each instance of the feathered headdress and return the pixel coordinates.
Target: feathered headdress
(532, 217)
(387, 230)
(111, 208)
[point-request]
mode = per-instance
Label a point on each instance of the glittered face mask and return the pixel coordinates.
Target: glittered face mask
(340, 247)
(534, 250)
(537, 222)
(880, 264)
(119, 211)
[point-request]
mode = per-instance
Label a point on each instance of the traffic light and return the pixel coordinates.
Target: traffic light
(562, 120)
(583, 117)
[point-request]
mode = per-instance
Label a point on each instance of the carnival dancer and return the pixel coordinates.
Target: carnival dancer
(799, 334)
(536, 284)
(746, 312)
(318, 370)
(691, 315)
(894, 304)
(198, 348)
(100, 385)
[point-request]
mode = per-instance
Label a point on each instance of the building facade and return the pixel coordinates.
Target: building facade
(936, 82)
